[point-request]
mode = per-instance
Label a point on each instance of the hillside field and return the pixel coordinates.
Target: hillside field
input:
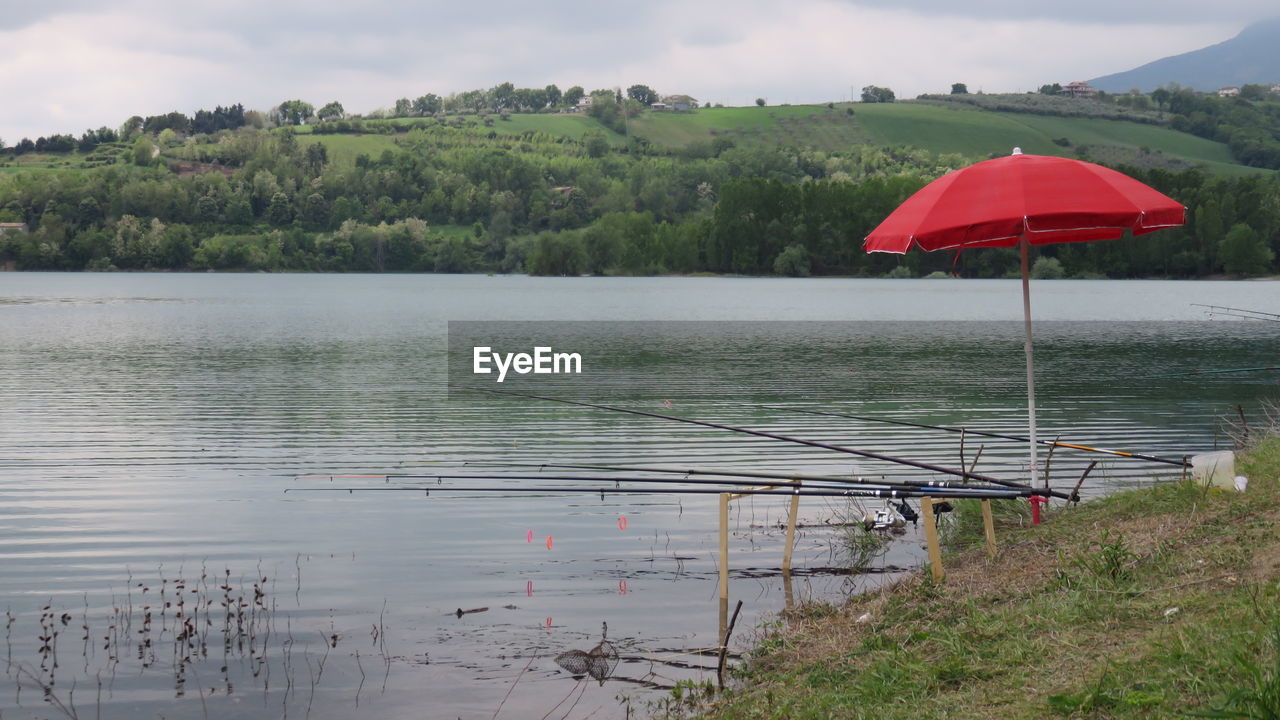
(970, 132)
(973, 133)
(981, 134)
(343, 149)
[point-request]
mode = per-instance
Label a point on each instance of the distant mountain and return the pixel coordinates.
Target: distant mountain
(1253, 56)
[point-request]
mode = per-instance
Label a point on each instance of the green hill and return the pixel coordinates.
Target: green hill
(105, 154)
(984, 133)
(973, 133)
(755, 190)
(558, 124)
(808, 126)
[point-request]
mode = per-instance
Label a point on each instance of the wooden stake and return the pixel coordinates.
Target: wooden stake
(724, 546)
(931, 539)
(1075, 492)
(974, 464)
(1049, 459)
(988, 524)
(724, 616)
(724, 644)
(791, 533)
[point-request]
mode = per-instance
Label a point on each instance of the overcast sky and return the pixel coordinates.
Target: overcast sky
(68, 65)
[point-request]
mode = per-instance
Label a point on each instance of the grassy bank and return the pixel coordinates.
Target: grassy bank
(1150, 603)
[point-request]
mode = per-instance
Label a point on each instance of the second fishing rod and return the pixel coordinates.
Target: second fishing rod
(980, 433)
(775, 436)
(940, 488)
(1024, 492)
(832, 492)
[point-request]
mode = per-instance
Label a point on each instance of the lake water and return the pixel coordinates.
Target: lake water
(150, 425)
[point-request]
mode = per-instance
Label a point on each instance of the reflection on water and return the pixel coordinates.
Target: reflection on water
(151, 423)
(214, 634)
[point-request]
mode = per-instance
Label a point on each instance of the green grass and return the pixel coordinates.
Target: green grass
(1149, 603)
(343, 149)
(962, 130)
(976, 133)
(970, 132)
(678, 129)
(452, 231)
(944, 130)
(73, 160)
(1134, 136)
(572, 126)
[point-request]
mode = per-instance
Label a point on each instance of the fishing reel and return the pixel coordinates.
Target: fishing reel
(885, 519)
(891, 518)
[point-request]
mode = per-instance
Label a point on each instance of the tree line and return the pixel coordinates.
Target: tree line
(503, 98)
(465, 198)
(1248, 124)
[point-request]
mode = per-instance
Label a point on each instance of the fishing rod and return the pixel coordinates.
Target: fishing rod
(1073, 446)
(641, 468)
(1242, 316)
(991, 494)
(942, 488)
(1203, 372)
(1240, 312)
(742, 473)
(774, 436)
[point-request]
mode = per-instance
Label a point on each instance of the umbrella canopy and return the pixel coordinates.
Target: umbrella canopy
(1024, 200)
(997, 202)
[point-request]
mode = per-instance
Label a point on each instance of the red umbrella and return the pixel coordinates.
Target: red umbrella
(1021, 200)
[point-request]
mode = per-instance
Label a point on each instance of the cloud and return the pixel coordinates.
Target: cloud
(826, 50)
(74, 65)
(70, 72)
(20, 14)
(1093, 12)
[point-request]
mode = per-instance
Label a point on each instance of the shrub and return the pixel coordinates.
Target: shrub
(1047, 268)
(793, 262)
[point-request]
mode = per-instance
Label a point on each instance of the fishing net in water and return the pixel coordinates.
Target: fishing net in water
(599, 662)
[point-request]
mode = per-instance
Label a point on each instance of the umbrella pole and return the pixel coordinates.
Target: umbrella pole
(1031, 381)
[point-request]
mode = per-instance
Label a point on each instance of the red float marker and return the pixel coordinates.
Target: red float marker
(622, 587)
(622, 523)
(529, 537)
(548, 542)
(528, 588)
(1036, 502)
(548, 624)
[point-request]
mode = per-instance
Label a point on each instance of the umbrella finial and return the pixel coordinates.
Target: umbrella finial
(1016, 151)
